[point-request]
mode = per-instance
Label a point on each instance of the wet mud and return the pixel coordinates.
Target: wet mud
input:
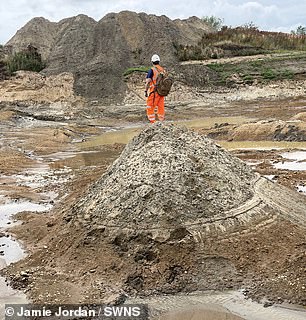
(40, 175)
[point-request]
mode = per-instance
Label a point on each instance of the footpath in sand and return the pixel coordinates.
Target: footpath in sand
(175, 213)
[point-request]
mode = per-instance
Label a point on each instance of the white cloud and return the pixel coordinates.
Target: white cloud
(268, 15)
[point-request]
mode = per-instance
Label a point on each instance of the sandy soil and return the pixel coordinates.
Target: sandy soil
(72, 265)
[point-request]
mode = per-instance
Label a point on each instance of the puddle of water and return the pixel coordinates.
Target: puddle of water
(253, 163)
(9, 295)
(295, 155)
(111, 137)
(10, 250)
(85, 159)
(298, 164)
(262, 145)
(125, 135)
(203, 312)
(9, 209)
(59, 155)
(209, 122)
(232, 304)
(293, 165)
(301, 189)
(40, 177)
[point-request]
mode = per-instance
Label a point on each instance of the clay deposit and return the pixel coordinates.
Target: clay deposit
(277, 130)
(33, 87)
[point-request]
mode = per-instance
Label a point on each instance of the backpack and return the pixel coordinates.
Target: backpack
(163, 84)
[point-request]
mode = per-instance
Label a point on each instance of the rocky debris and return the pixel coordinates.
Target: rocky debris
(167, 176)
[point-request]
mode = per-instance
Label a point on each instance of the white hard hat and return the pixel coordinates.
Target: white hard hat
(155, 58)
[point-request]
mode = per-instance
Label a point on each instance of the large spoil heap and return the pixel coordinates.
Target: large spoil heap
(166, 178)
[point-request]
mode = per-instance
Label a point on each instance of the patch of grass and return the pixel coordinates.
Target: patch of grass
(248, 78)
(240, 41)
(256, 63)
(269, 74)
(286, 74)
(218, 67)
(263, 70)
(136, 69)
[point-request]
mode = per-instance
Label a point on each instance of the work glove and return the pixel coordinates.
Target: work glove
(146, 94)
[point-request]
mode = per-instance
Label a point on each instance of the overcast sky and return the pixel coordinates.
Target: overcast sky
(281, 15)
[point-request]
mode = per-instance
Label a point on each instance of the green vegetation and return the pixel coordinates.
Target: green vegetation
(263, 70)
(269, 74)
(135, 69)
(28, 59)
(214, 22)
(300, 30)
(241, 41)
(250, 25)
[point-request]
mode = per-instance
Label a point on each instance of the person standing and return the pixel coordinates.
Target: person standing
(154, 100)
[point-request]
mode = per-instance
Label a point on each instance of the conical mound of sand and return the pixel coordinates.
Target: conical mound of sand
(167, 175)
(169, 179)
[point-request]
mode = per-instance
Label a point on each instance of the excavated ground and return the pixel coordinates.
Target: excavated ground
(70, 263)
(267, 259)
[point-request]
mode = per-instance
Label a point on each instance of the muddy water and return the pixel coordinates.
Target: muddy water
(262, 145)
(85, 159)
(33, 178)
(9, 209)
(203, 312)
(11, 250)
(215, 306)
(125, 135)
(297, 161)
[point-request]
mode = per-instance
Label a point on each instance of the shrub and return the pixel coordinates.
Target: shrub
(300, 30)
(214, 22)
(135, 69)
(28, 59)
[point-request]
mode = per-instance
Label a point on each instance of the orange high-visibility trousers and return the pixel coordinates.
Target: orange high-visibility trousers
(154, 101)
